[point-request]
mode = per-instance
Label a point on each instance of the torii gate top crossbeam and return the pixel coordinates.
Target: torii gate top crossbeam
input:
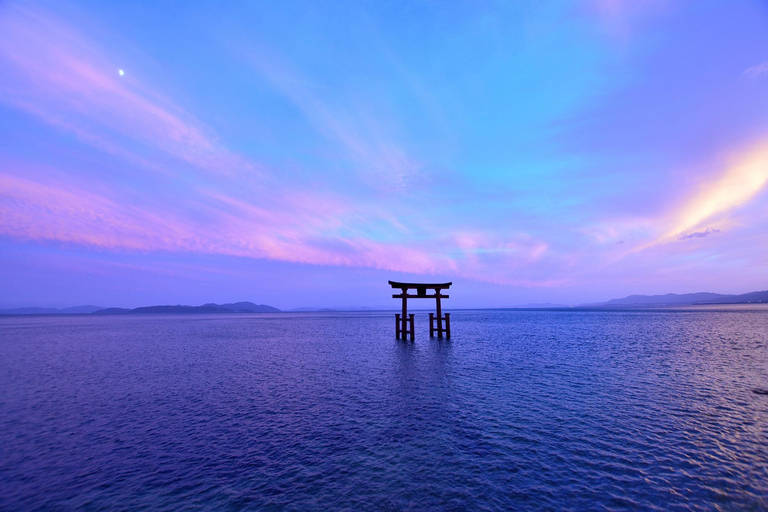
(421, 289)
(430, 286)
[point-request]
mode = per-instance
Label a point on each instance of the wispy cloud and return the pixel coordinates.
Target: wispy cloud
(707, 210)
(375, 153)
(53, 72)
(699, 234)
(757, 70)
(62, 212)
(713, 202)
(309, 229)
(305, 228)
(740, 183)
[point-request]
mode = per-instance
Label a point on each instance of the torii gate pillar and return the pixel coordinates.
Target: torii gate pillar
(404, 321)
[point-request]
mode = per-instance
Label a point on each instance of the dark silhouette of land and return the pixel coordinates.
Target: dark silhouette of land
(670, 299)
(686, 299)
(236, 307)
(77, 310)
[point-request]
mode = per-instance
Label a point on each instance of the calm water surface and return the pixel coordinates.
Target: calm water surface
(520, 410)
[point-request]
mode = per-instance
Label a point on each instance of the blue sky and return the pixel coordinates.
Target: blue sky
(304, 153)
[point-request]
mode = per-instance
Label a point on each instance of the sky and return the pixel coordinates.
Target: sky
(303, 153)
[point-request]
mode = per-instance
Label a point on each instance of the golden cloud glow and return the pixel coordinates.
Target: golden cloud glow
(737, 186)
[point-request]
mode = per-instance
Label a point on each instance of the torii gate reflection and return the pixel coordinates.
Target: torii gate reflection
(403, 320)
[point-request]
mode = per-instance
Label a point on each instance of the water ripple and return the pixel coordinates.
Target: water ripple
(652, 410)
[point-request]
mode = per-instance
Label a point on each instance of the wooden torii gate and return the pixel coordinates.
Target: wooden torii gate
(404, 321)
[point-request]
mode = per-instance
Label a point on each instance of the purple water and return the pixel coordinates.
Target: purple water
(520, 410)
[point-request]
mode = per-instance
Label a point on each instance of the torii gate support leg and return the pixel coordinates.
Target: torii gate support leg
(404, 319)
(439, 315)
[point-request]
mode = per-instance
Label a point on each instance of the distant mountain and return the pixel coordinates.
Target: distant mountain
(750, 297)
(310, 309)
(77, 310)
(539, 305)
(237, 307)
(674, 299)
(81, 310)
(670, 298)
(112, 311)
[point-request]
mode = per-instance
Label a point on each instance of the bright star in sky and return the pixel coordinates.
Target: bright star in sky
(121, 72)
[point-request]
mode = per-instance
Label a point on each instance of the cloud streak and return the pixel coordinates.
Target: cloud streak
(307, 230)
(54, 73)
(375, 154)
(757, 70)
(68, 213)
(699, 234)
(739, 184)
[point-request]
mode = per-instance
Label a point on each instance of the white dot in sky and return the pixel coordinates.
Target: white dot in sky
(121, 72)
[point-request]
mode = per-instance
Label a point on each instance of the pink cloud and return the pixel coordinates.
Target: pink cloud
(35, 211)
(50, 70)
(76, 213)
(54, 73)
(60, 212)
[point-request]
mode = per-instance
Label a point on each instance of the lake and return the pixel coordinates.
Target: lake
(540, 410)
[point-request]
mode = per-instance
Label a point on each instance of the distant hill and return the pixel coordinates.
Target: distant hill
(237, 307)
(77, 310)
(539, 305)
(674, 299)
(670, 298)
(310, 309)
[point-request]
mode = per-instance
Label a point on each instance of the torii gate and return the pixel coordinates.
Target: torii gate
(404, 320)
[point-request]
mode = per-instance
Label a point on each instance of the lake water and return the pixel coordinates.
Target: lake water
(541, 410)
